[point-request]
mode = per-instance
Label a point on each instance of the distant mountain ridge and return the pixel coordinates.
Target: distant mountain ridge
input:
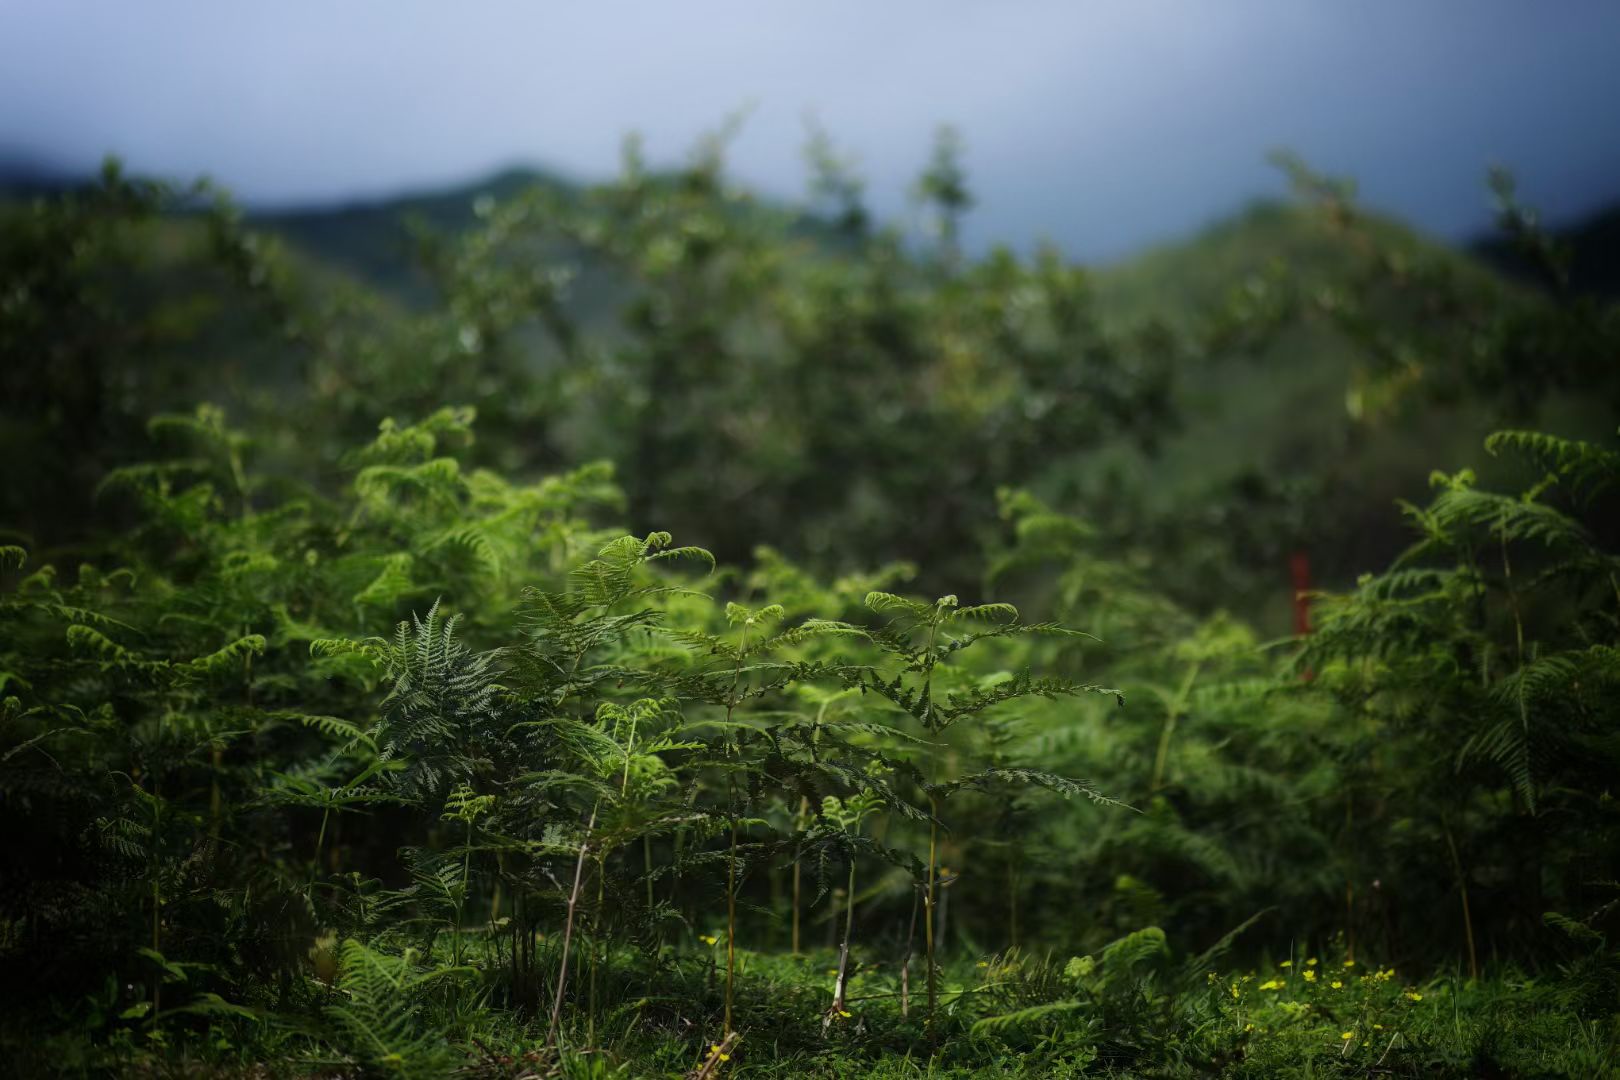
(23, 174)
(1283, 414)
(367, 237)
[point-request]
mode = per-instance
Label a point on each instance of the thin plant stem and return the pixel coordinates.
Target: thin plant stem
(157, 891)
(568, 929)
(598, 953)
(804, 810)
(1012, 901)
(928, 922)
(905, 961)
(1178, 706)
(320, 840)
(803, 817)
(731, 861)
(929, 657)
(461, 899)
(731, 919)
(647, 863)
(1468, 918)
(843, 950)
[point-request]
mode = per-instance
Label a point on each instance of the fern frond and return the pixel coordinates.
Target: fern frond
(1031, 1017)
(1587, 468)
(111, 655)
(1000, 613)
(1062, 785)
(334, 728)
(226, 660)
(378, 1023)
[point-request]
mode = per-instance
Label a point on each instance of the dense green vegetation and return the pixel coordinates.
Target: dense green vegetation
(365, 721)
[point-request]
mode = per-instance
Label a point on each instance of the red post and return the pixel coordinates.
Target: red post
(1299, 569)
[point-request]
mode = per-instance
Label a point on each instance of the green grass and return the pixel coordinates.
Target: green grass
(1014, 1015)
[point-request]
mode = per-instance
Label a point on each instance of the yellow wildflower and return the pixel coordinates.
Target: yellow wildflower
(1235, 990)
(844, 1013)
(1311, 962)
(709, 939)
(1349, 963)
(725, 1057)
(1347, 1035)
(1272, 984)
(1413, 995)
(1378, 1027)
(1336, 984)
(1310, 976)
(1286, 964)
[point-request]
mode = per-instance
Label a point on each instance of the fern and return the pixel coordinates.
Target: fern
(378, 1024)
(1587, 468)
(1032, 1018)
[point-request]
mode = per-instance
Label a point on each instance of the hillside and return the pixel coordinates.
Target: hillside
(1274, 451)
(372, 240)
(1289, 427)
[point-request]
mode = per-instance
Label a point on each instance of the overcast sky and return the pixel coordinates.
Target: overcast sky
(1105, 126)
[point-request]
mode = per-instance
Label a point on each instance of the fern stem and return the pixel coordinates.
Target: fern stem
(843, 949)
(647, 864)
(568, 928)
(802, 821)
(928, 922)
(157, 892)
(929, 657)
(804, 810)
(1462, 888)
(597, 951)
(1012, 899)
(1349, 879)
(579, 870)
(1518, 638)
(905, 961)
(731, 860)
(731, 921)
(495, 899)
(461, 898)
(320, 840)
(216, 760)
(1178, 706)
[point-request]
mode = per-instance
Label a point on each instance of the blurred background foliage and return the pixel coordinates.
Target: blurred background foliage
(798, 373)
